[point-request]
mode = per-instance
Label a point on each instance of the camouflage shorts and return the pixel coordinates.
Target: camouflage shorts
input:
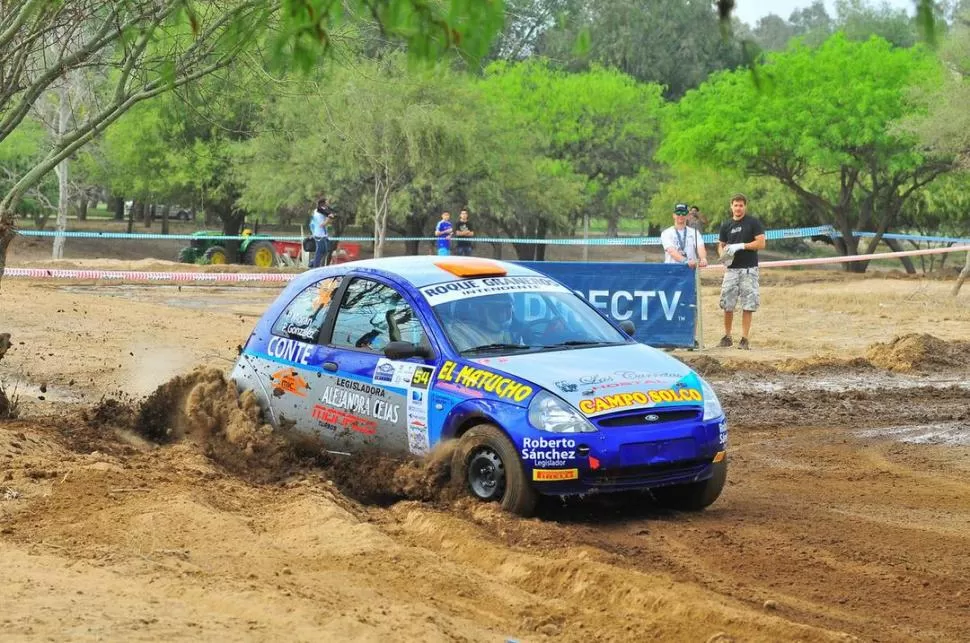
(740, 285)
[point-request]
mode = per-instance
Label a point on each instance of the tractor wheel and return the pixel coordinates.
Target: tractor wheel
(188, 255)
(262, 254)
(216, 255)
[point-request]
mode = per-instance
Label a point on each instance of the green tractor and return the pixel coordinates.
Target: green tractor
(254, 251)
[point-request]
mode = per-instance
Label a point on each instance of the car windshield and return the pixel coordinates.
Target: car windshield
(525, 321)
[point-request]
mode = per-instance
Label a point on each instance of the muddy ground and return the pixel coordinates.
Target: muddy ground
(846, 516)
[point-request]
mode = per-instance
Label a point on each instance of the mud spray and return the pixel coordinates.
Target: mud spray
(204, 409)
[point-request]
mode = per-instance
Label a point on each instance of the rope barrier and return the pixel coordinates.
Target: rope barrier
(783, 233)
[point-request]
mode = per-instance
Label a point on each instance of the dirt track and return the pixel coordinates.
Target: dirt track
(847, 512)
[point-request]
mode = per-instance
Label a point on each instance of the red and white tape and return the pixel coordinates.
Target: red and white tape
(828, 260)
(131, 275)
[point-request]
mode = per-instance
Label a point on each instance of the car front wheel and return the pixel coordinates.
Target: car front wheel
(696, 495)
(488, 465)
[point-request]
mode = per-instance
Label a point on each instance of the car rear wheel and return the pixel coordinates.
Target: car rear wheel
(696, 495)
(488, 465)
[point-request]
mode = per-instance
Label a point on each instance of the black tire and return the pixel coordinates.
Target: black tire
(696, 495)
(216, 255)
(485, 455)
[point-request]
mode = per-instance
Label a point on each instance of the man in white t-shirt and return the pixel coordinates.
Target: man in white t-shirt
(683, 244)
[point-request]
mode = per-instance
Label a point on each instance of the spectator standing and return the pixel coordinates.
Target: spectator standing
(695, 219)
(740, 239)
(681, 243)
(463, 231)
(443, 232)
(320, 219)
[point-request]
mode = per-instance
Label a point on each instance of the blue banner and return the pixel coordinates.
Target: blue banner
(660, 299)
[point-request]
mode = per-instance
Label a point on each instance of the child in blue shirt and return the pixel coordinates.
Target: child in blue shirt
(443, 232)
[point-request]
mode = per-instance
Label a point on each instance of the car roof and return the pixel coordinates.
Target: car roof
(421, 270)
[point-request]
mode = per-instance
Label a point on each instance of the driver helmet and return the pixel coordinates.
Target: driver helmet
(496, 311)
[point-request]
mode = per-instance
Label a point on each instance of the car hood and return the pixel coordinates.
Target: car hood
(607, 379)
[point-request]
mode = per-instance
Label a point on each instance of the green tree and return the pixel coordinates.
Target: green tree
(772, 33)
(602, 124)
(370, 125)
(670, 42)
(822, 127)
(859, 20)
(812, 24)
(945, 129)
(157, 45)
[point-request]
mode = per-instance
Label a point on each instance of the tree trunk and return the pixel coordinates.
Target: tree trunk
(542, 229)
(63, 120)
(612, 227)
(7, 233)
(414, 228)
(165, 210)
(135, 205)
(82, 209)
(906, 261)
(849, 245)
(149, 214)
(382, 195)
(119, 208)
(956, 287)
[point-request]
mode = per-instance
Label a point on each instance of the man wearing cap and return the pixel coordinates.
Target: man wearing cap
(741, 237)
(681, 243)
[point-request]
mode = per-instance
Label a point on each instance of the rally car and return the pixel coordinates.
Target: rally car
(544, 394)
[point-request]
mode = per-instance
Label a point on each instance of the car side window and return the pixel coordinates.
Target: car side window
(371, 315)
(303, 317)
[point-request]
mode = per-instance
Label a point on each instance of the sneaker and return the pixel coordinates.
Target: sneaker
(743, 344)
(725, 341)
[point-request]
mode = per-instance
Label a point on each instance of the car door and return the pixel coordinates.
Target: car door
(292, 358)
(368, 400)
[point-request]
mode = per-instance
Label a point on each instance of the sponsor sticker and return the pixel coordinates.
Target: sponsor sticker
(548, 452)
(481, 379)
(286, 380)
(616, 401)
(360, 387)
(361, 404)
(396, 374)
(552, 475)
(338, 419)
(289, 350)
(722, 433)
(419, 439)
(455, 290)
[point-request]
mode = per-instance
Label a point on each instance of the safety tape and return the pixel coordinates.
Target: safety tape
(784, 263)
(132, 275)
(913, 237)
(228, 277)
(783, 233)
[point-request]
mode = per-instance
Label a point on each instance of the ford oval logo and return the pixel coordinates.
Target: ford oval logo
(652, 417)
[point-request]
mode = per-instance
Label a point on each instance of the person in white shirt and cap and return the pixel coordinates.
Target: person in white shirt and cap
(683, 244)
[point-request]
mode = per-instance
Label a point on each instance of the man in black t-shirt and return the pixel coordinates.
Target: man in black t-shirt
(741, 237)
(463, 231)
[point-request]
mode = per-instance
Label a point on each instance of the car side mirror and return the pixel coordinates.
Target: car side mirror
(628, 327)
(404, 350)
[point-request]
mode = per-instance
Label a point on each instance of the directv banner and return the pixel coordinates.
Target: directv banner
(660, 299)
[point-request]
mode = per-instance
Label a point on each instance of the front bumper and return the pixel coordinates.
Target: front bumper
(627, 458)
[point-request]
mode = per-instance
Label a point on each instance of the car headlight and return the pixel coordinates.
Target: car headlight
(549, 413)
(712, 405)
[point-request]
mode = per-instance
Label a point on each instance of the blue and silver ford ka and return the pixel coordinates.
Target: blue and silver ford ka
(543, 394)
